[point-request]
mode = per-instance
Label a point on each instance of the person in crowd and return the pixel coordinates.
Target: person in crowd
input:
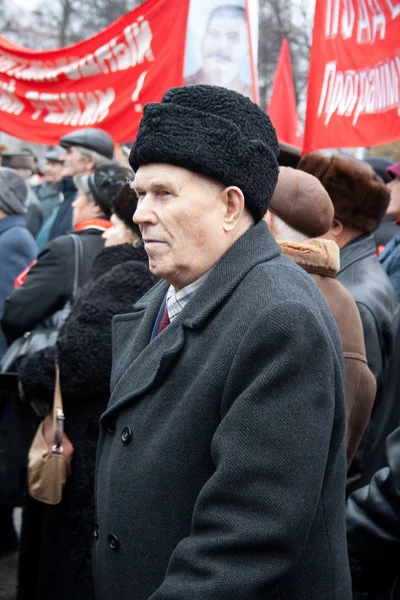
(24, 164)
(390, 257)
(360, 200)
(50, 193)
(222, 414)
(225, 50)
(84, 151)
(373, 531)
(56, 541)
(17, 250)
(388, 228)
(301, 211)
(49, 283)
(17, 246)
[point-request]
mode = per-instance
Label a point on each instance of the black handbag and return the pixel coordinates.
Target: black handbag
(45, 334)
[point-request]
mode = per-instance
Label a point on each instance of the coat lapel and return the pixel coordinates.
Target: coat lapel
(138, 364)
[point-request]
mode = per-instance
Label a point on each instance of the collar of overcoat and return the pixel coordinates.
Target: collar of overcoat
(139, 364)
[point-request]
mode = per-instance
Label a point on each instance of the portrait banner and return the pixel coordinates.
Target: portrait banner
(221, 45)
(354, 79)
(103, 81)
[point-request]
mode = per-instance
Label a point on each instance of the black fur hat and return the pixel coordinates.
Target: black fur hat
(124, 206)
(216, 132)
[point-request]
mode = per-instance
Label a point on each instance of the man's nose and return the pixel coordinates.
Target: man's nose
(144, 213)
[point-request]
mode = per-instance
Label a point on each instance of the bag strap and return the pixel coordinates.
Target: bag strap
(58, 413)
(78, 262)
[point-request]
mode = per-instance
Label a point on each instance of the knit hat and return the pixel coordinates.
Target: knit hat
(359, 196)
(124, 206)
(216, 132)
(14, 192)
(301, 201)
(393, 171)
(104, 184)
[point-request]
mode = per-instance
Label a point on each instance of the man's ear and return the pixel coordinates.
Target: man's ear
(233, 200)
(337, 228)
(90, 163)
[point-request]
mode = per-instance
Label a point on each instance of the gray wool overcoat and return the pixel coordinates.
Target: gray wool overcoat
(221, 463)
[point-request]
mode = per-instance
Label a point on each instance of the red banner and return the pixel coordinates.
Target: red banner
(354, 81)
(102, 82)
(282, 109)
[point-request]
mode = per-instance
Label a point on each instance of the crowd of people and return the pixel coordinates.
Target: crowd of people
(227, 331)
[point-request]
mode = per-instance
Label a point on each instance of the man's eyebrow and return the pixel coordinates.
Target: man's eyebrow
(156, 184)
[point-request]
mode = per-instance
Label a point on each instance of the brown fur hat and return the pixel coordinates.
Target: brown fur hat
(359, 197)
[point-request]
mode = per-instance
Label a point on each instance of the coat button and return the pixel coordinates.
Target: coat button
(110, 428)
(96, 531)
(113, 542)
(126, 435)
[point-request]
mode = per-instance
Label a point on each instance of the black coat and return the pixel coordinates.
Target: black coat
(221, 464)
(373, 530)
(386, 231)
(362, 275)
(56, 543)
(49, 284)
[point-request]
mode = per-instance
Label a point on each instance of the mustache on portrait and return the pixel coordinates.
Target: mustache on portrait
(219, 54)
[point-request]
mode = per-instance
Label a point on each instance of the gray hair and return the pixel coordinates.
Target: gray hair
(284, 233)
(99, 159)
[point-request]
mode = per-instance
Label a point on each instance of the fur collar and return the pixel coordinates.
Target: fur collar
(314, 256)
(115, 255)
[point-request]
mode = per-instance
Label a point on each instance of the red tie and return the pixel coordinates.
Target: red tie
(164, 321)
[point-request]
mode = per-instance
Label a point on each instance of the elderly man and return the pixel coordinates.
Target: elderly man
(224, 50)
(221, 463)
(300, 211)
(84, 151)
(360, 200)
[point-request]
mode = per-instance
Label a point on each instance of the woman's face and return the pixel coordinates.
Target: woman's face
(117, 234)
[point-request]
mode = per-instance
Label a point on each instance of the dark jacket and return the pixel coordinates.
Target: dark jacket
(390, 261)
(362, 275)
(320, 258)
(221, 463)
(63, 221)
(49, 284)
(56, 542)
(17, 250)
(373, 530)
(386, 231)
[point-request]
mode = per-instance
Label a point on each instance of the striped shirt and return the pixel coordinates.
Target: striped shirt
(177, 300)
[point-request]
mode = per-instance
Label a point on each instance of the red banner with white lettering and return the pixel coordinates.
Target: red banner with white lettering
(354, 80)
(101, 82)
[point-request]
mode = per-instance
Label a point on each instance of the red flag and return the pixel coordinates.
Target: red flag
(282, 108)
(353, 84)
(103, 81)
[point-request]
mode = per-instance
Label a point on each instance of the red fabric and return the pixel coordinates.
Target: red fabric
(353, 86)
(98, 223)
(282, 108)
(22, 276)
(103, 81)
(164, 320)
